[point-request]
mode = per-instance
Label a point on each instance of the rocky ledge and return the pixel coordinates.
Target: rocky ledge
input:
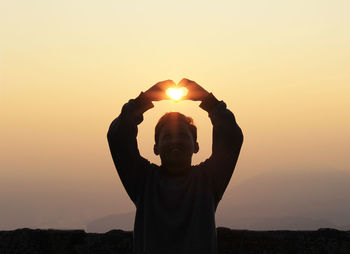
(38, 241)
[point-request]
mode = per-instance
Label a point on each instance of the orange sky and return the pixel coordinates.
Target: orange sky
(66, 69)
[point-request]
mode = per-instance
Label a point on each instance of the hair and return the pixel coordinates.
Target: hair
(175, 117)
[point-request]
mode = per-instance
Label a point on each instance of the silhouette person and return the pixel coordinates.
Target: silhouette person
(175, 202)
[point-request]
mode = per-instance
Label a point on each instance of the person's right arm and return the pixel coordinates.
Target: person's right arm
(131, 166)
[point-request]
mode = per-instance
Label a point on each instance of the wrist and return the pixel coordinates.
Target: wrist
(143, 103)
(209, 102)
(205, 95)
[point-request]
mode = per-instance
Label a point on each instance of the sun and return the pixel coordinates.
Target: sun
(176, 93)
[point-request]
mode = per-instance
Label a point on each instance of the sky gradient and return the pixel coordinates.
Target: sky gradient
(67, 67)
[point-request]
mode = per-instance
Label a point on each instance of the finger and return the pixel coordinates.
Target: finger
(157, 96)
(192, 95)
(185, 82)
(190, 84)
(189, 95)
(168, 82)
(186, 97)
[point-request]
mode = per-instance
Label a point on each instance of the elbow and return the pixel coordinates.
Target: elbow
(241, 136)
(109, 135)
(238, 136)
(112, 129)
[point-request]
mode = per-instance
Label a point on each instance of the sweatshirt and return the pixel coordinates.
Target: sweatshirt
(175, 213)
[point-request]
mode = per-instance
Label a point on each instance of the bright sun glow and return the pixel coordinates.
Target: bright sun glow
(176, 93)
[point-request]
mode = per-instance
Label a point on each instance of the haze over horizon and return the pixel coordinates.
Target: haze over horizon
(66, 69)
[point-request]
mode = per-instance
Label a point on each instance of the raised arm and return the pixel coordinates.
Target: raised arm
(227, 137)
(131, 166)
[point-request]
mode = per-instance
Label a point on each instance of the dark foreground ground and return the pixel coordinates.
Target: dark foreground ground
(230, 241)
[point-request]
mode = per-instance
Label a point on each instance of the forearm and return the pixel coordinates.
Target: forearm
(227, 142)
(122, 133)
(227, 135)
(125, 125)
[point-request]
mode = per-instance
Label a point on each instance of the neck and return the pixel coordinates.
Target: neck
(177, 169)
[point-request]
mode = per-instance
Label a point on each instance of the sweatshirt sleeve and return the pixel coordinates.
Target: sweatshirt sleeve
(226, 145)
(131, 166)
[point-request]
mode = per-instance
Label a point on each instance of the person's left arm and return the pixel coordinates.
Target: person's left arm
(227, 137)
(227, 143)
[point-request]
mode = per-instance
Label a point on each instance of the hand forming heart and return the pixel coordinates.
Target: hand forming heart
(186, 89)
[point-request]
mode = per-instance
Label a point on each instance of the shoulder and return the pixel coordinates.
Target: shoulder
(201, 168)
(153, 169)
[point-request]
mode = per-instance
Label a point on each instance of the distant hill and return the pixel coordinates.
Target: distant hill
(345, 228)
(124, 221)
(305, 200)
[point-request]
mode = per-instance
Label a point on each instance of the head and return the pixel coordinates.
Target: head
(175, 140)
